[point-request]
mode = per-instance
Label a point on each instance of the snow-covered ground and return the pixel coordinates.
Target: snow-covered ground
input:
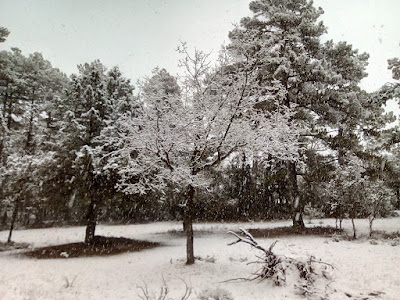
(362, 267)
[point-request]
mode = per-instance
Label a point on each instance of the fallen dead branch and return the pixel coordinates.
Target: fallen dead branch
(278, 267)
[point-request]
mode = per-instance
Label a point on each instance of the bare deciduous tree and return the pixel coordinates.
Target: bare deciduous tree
(178, 136)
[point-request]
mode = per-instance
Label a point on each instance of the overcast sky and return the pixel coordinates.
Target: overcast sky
(138, 35)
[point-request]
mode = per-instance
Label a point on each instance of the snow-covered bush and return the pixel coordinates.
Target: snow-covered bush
(378, 202)
(354, 194)
(395, 242)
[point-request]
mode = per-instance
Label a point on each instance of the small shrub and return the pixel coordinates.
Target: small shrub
(395, 242)
(164, 292)
(241, 259)
(337, 237)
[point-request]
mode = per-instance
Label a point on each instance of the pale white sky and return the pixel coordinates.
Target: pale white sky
(139, 35)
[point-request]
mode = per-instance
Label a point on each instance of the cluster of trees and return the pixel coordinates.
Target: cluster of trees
(278, 125)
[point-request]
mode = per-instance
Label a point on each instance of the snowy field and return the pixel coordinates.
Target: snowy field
(364, 269)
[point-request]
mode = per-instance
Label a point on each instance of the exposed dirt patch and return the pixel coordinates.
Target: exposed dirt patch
(285, 231)
(102, 246)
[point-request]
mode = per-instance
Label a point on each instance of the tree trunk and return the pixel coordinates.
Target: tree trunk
(184, 223)
(91, 221)
(188, 225)
(354, 229)
(242, 189)
(295, 196)
(40, 216)
(5, 100)
(371, 221)
(1, 148)
(341, 152)
(13, 219)
(9, 110)
(29, 133)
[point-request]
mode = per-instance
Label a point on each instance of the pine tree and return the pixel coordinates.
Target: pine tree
(96, 98)
(4, 32)
(29, 85)
(319, 81)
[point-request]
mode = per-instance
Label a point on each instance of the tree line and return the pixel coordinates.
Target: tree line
(277, 127)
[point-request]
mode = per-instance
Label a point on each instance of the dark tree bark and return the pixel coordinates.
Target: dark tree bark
(188, 224)
(13, 219)
(40, 216)
(295, 199)
(9, 113)
(341, 152)
(91, 218)
(371, 220)
(298, 207)
(354, 228)
(1, 149)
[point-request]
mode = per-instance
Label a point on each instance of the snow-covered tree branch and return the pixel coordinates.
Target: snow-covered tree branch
(181, 132)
